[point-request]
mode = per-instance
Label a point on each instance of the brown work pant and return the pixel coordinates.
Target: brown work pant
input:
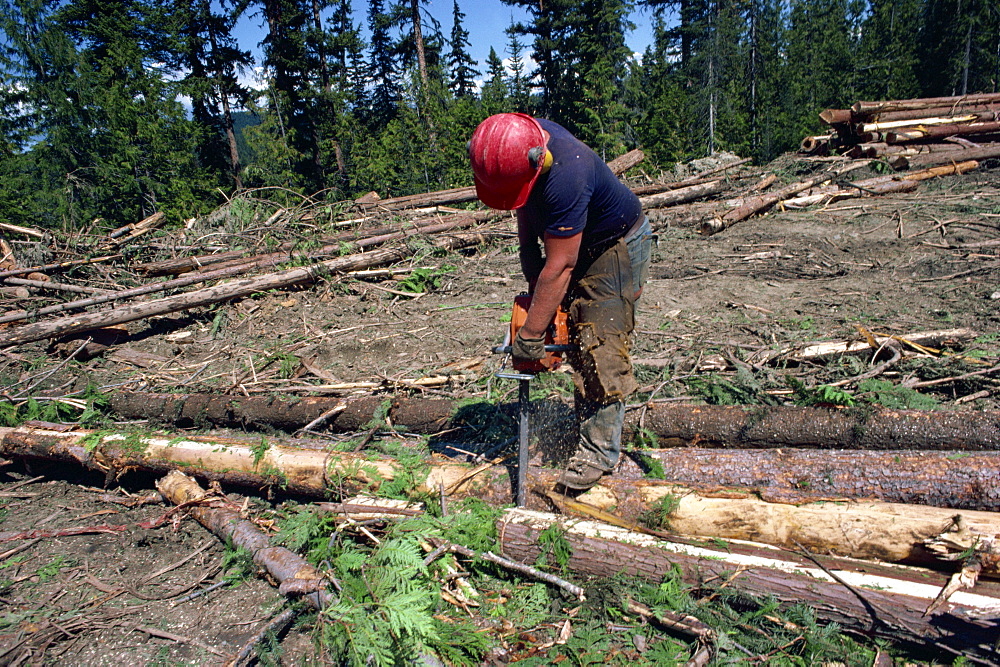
(602, 318)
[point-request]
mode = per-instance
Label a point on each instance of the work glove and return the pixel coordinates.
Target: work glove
(527, 349)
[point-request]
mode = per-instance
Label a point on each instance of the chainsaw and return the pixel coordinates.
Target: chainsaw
(556, 338)
(556, 343)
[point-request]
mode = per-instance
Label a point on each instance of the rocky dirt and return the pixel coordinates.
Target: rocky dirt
(928, 260)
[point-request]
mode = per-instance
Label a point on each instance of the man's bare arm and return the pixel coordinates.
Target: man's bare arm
(561, 253)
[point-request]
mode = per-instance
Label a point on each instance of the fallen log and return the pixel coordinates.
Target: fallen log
(957, 480)
(906, 135)
(983, 152)
(848, 192)
(883, 606)
(682, 195)
(956, 102)
(754, 205)
(675, 425)
(287, 252)
(295, 576)
(57, 287)
(59, 266)
(812, 351)
(873, 530)
(223, 292)
(17, 229)
(982, 111)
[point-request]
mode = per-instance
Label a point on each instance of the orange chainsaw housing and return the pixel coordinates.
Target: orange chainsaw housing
(556, 334)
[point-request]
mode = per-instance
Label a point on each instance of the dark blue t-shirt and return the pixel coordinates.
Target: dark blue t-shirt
(579, 194)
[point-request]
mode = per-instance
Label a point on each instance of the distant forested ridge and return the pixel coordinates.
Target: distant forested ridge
(112, 110)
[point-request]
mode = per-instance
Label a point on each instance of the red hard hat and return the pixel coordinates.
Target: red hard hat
(504, 172)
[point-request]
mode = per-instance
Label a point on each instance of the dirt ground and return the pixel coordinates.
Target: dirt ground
(898, 264)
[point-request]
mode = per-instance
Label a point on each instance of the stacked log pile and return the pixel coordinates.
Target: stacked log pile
(913, 133)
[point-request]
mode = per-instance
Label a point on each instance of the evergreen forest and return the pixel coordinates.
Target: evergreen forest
(115, 109)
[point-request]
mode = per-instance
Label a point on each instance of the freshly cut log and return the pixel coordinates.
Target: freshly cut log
(818, 145)
(983, 111)
(836, 116)
(218, 293)
(675, 425)
(905, 135)
(882, 126)
(882, 606)
(823, 349)
(958, 480)
(295, 576)
(873, 530)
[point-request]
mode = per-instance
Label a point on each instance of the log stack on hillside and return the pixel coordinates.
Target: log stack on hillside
(913, 133)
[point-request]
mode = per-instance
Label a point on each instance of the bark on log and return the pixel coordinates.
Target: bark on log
(224, 292)
(822, 428)
(983, 152)
(287, 251)
(904, 135)
(682, 195)
(958, 480)
(956, 102)
(882, 188)
(720, 426)
(836, 116)
(760, 203)
(872, 530)
(984, 111)
(295, 576)
(890, 609)
(58, 287)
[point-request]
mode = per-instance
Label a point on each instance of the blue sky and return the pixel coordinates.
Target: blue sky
(485, 20)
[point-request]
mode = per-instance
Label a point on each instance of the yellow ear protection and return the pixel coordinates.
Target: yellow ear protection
(536, 153)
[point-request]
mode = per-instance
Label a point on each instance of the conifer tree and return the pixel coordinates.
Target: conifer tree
(383, 70)
(460, 63)
(495, 95)
(517, 83)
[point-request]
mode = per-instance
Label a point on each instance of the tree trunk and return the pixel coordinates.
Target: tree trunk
(881, 606)
(760, 203)
(871, 530)
(959, 480)
(871, 108)
(682, 195)
(209, 295)
(757, 427)
(983, 152)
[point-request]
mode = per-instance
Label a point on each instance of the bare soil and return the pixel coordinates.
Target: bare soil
(893, 264)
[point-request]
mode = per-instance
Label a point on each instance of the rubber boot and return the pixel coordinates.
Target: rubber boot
(600, 444)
